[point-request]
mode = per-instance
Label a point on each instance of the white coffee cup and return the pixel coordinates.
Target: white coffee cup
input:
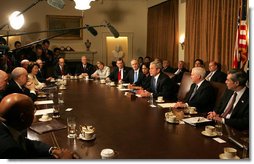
(112, 83)
(160, 98)
(171, 118)
(107, 154)
(168, 114)
(87, 131)
(45, 117)
(230, 152)
(192, 109)
(209, 129)
(102, 81)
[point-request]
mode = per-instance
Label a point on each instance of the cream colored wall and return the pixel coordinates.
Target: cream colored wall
(127, 16)
(182, 18)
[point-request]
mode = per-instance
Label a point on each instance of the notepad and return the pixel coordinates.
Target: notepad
(44, 127)
(196, 120)
(43, 102)
(166, 105)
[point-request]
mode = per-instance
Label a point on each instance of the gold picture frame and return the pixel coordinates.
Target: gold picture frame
(56, 22)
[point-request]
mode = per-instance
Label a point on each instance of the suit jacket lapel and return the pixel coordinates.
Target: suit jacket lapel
(241, 103)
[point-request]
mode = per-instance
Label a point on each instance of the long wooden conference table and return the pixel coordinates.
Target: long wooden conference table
(133, 129)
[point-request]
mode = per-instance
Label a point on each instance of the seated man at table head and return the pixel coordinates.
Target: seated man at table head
(135, 75)
(19, 84)
(201, 94)
(85, 68)
(16, 115)
(3, 83)
(161, 84)
(233, 110)
(179, 72)
(120, 72)
(102, 72)
(215, 74)
(61, 69)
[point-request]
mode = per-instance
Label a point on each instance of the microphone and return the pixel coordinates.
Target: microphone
(59, 4)
(112, 29)
(91, 30)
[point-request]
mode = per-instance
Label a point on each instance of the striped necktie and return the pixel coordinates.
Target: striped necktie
(229, 106)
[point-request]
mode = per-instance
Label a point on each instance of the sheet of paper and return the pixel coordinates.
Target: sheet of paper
(138, 95)
(44, 111)
(195, 120)
(153, 106)
(124, 89)
(68, 109)
(43, 102)
(219, 140)
(166, 105)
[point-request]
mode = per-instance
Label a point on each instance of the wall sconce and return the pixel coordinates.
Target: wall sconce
(181, 41)
(16, 20)
(82, 4)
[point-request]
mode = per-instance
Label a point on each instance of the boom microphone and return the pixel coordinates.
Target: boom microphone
(91, 30)
(112, 29)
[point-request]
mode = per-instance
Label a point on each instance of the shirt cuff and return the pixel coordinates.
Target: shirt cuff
(33, 92)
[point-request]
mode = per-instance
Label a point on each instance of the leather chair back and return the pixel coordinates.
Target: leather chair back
(184, 86)
(219, 90)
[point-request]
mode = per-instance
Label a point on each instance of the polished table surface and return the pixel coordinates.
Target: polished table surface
(130, 127)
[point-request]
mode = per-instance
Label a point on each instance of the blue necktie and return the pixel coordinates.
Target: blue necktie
(135, 76)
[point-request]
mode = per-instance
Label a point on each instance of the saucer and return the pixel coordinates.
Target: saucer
(86, 139)
(43, 120)
(222, 156)
(175, 122)
(209, 135)
(159, 101)
(193, 112)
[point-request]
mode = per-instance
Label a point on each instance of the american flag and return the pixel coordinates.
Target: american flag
(240, 57)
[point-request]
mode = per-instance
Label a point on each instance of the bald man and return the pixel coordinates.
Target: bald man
(3, 82)
(19, 84)
(16, 115)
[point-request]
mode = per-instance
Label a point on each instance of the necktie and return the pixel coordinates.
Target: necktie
(62, 71)
(194, 92)
(154, 85)
(84, 67)
(135, 76)
(208, 77)
(230, 106)
(119, 75)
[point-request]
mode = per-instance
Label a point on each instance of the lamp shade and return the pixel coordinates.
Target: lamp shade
(16, 20)
(82, 4)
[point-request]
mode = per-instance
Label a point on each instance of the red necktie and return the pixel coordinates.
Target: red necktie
(230, 106)
(119, 75)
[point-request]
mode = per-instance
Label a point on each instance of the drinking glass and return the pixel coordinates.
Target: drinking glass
(71, 123)
(56, 111)
(60, 98)
(218, 128)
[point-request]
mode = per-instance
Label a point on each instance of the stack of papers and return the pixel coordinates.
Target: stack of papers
(196, 120)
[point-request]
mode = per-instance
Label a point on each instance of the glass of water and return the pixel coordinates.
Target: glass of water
(71, 123)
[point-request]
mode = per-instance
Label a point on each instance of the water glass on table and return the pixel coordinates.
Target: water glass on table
(71, 124)
(218, 127)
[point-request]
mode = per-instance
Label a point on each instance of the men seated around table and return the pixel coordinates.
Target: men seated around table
(19, 84)
(135, 75)
(3, 83)
(201, 94)
(84, 68)
(16, 115)
(215, 73)
(61, 69)
(42, 72)
(102, 72)
(119, 73)
(32, 70)
(145, 82)
(166, 67)
(179, 72)
(161, 84)
(233, 109)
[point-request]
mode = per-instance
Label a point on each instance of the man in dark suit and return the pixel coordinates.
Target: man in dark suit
(19, 84)
(61, 69)
(215, 73)
(233, 109)
(166, 67)
(42, 73)
(120, 72)
(135, 75)
(16, 115)
(161, 84)
(85, 68)
(3, 83)
(201, 94)
(178, 73)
